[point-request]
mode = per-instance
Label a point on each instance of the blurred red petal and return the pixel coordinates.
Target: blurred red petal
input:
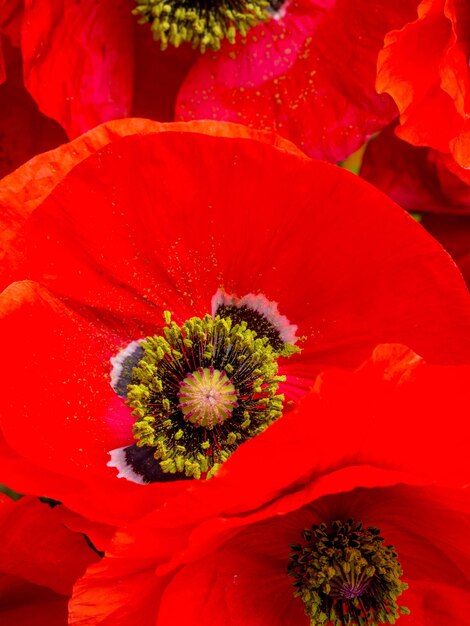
(417, 178)
(78, 61)
(24, 131)
(87, 63)
(453, 232)
(22, 602)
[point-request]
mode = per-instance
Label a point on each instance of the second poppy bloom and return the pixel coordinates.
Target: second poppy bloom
(356, 528)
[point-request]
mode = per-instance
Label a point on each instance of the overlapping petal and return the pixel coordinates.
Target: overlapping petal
(40, 560)
(24, 131)
(453, 232)
(417, 178)
(424, 67)
(87, 63)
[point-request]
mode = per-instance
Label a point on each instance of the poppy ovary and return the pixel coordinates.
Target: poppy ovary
(207, 397)
(202, 23)
(346, 576)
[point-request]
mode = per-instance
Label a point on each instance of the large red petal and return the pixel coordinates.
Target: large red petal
(43, 173)
(239, 585)
(73, 416)
(308, 73)
(341, 260)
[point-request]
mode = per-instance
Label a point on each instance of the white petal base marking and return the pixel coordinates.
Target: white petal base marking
(264, 307)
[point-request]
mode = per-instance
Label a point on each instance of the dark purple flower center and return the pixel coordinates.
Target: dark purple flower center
(345, 575)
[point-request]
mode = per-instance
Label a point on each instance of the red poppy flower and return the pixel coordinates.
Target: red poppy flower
(417, 178)
(308, 72)
(218, 553)
(100, 247)
(39, 561)
(424, 67)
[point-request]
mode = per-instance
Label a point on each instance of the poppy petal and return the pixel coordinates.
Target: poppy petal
(352, 293)
(38, 548)
(78, 60)
(308, 73)
(24, 131)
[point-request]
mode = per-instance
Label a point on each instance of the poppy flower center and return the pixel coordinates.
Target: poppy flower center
(345, 575)
(201, 389)
(203, 23)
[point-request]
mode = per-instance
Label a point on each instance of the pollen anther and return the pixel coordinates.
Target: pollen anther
(204, 25)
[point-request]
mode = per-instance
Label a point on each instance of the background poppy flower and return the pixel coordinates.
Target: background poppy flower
(98, 252)
(223, 536)
(224, 585)
(417, 178)
(40, 560)
(424, 67)
(308, 72)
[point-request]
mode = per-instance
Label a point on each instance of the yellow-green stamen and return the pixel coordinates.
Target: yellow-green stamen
(201, 390)
(346, 576)
(201, 23)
